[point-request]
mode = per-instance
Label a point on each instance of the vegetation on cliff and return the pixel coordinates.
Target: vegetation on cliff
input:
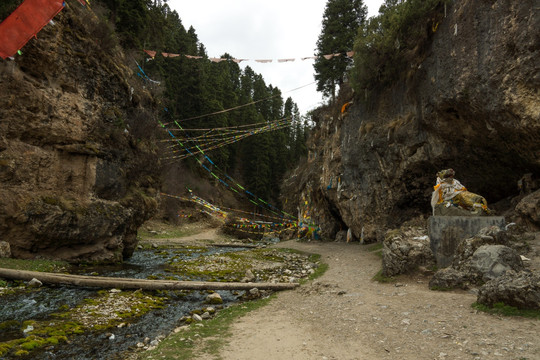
(392, 44)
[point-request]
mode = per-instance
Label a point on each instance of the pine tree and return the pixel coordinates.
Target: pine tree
(341, 21)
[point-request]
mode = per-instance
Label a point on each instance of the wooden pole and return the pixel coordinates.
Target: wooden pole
(134, 284)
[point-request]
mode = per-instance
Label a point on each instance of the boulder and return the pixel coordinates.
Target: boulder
(491, 261)
(478, 259)
(492, 235)
(519, 289)
(5, 251)
(404, 252)
(448, 278)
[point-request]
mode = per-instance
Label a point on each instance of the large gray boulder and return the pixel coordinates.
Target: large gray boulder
(518, 289)
(478, 259)
(491, 261)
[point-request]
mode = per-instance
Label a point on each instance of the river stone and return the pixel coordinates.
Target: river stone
(520, 289)
(34, 283)
(5, 251)
(214, 298)
(249, 277)
(491, 261)
(196, 317)
(206, 315)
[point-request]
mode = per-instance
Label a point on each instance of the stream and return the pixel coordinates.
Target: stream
(41, 303)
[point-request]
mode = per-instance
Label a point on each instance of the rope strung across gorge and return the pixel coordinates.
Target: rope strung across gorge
(234, 185)
(215, 138)
(240, 106)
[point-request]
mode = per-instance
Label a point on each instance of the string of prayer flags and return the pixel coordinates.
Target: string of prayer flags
(153, 54)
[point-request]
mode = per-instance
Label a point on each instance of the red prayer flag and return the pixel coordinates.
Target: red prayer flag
(25, 22)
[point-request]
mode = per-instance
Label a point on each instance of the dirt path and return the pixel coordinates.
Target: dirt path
(344, 315)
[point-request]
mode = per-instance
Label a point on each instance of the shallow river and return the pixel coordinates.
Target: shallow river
(39, 305)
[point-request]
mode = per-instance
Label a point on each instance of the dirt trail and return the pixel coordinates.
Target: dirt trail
(345, 315)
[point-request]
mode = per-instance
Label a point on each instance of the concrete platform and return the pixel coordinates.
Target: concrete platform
(445, 233)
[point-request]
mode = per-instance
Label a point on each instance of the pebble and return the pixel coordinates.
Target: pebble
(206, 315)
(197, 317)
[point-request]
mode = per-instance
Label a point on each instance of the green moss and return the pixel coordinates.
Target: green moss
(9, 324)
(21, 353)
(5, 348)
(30, 345)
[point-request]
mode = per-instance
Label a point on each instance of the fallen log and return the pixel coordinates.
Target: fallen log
(134, 284)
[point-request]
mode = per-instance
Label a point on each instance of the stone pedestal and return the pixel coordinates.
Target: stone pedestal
(445, 233)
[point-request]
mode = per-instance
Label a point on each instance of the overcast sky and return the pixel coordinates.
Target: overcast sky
(257, 30)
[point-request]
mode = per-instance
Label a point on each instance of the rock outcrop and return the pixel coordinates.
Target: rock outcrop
(77, 173)
(470, 104)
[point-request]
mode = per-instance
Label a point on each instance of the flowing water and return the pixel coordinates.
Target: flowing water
(41, 303)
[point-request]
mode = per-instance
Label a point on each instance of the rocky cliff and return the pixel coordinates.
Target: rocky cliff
(471, 104)
(78, 175)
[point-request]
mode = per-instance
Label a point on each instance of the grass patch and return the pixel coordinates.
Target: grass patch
(507, 310)
(380, 277)
(207, 339)
(167, 234)
(33, 265)
(376, 249)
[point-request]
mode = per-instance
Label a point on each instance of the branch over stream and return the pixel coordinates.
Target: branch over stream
(134, 284)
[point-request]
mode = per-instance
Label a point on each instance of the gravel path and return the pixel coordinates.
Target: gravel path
(345, 315)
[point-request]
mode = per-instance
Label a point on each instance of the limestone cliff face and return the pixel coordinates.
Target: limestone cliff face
(76, 180)
(471, 104)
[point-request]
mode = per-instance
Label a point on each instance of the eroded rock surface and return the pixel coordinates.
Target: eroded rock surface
(77, 175)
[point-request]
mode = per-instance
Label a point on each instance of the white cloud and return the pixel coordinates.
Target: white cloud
(256, 29)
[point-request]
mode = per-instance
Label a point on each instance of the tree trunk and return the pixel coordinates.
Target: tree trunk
(134, 284)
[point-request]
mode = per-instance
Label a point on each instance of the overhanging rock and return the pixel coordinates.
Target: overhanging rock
(445, 233)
